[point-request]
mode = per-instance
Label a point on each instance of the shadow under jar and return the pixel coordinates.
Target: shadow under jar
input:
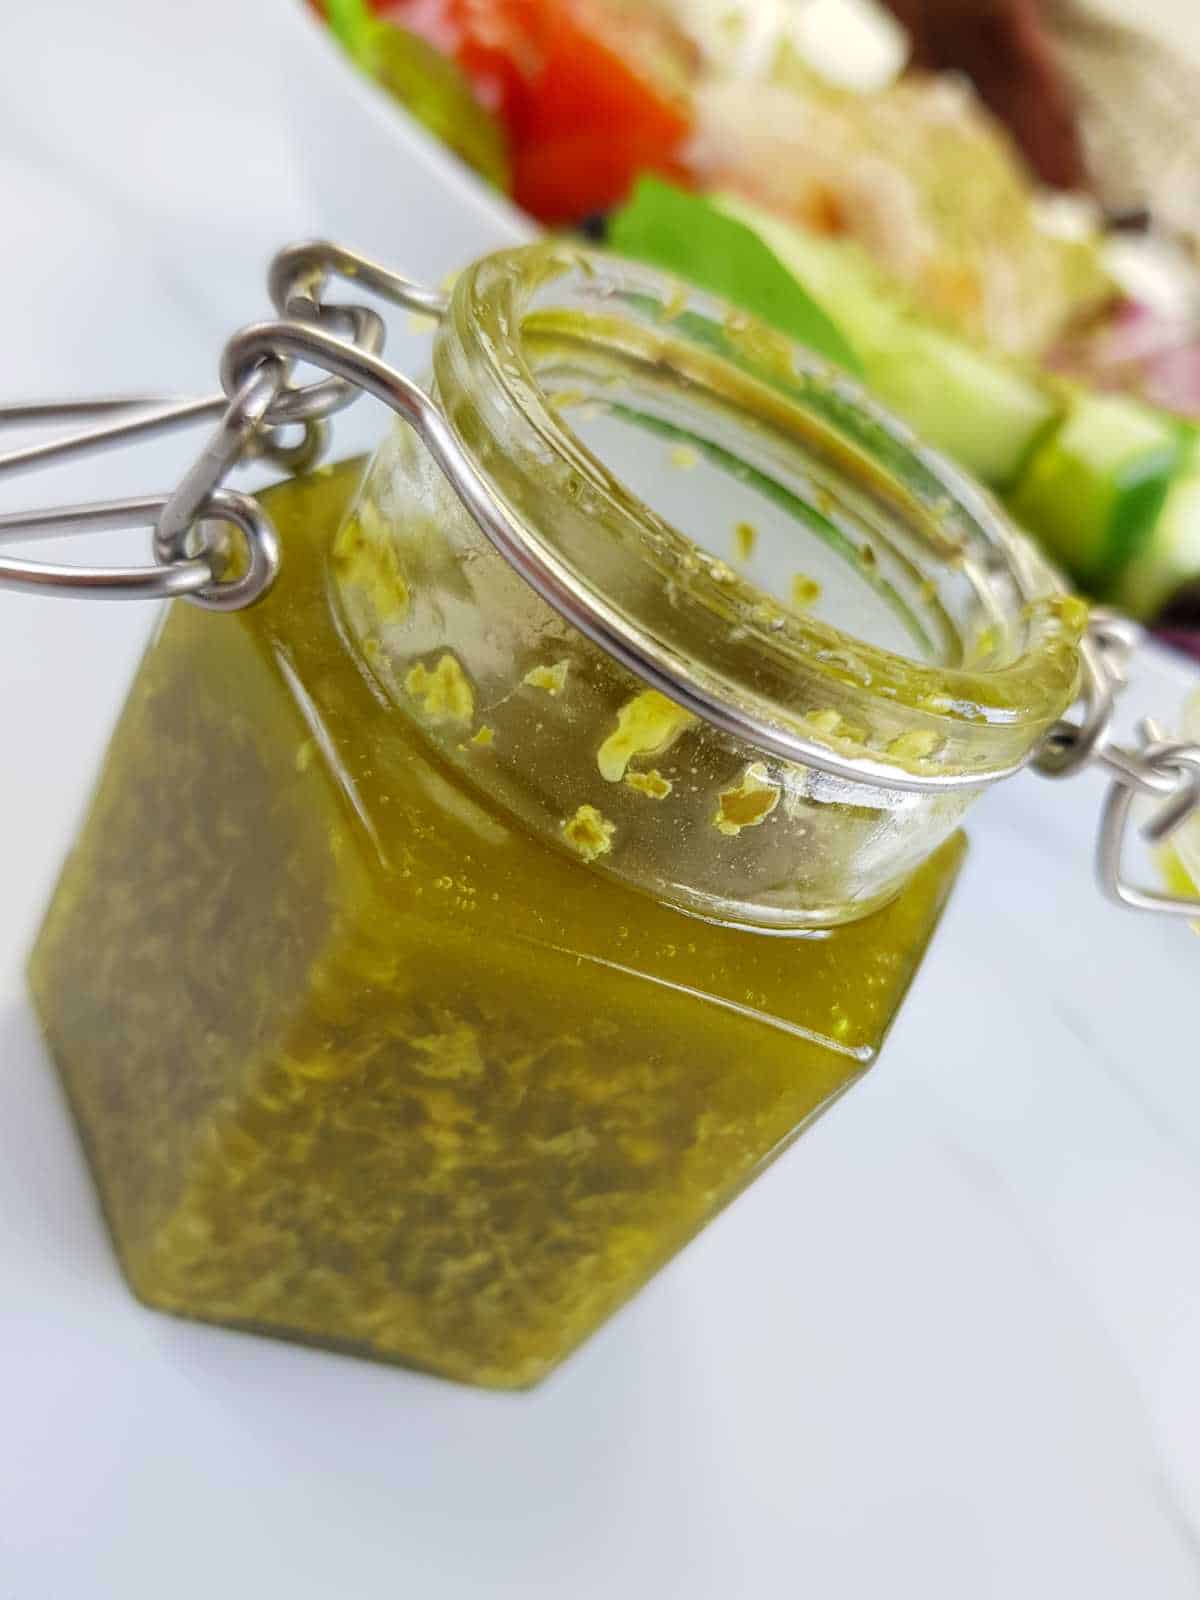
(425, 976)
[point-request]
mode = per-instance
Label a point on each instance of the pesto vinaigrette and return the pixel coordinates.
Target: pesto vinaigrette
(422, 979)
(357, 1061)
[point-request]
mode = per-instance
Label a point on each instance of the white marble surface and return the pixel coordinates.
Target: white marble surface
(948, 1348)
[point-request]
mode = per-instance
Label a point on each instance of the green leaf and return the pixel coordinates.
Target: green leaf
(691, 238)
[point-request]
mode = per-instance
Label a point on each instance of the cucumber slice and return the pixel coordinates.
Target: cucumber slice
(984, 414)
(1171, 556)
(1092, 493)
(982, 410)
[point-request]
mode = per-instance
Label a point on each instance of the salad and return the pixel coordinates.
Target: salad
(895, 230)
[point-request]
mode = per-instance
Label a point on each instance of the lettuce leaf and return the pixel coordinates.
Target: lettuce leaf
(688, 236)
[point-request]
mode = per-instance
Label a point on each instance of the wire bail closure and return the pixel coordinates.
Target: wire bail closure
(196, 560)
(1166, 770)
(195, 557)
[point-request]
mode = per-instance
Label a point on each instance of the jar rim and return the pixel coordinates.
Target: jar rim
(986, 719)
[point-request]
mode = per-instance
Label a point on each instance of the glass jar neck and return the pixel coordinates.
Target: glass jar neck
(637, 431)
(762, 535)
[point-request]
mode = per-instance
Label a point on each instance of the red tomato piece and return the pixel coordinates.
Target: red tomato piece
(583, 114)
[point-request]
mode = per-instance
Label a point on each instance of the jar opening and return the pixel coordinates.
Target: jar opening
(790, 537)
(744, 509)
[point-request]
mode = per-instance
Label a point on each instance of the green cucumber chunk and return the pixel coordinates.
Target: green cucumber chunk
(1171, 555)
(983, 414)
(1093, 491)
(984, 411)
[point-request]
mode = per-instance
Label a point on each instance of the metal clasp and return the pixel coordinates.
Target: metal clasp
(1169, 770)
(195, 559)
(1156, 766)
(194, 568)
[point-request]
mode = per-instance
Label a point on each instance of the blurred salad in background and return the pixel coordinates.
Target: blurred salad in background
(893, 215)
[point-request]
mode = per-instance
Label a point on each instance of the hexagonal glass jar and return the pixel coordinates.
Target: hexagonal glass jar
(423, 977)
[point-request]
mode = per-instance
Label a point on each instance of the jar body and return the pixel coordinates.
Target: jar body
(361, 1061)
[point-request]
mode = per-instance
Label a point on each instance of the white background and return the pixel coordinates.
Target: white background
(948, 1348)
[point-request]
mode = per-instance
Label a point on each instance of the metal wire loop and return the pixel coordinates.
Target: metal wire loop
(148, 418)
(299, 272)
(196, 575)
(180, 581)
(193, 574)
(1182, 762)
(1156, 767)
(1104, 654)
(225, 447)
(260, 566)
(191, 526)
(1161, 767)
(291, 458)
(296, 280)
(312, 402)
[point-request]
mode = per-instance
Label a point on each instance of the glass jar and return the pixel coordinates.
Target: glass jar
(413, 979)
